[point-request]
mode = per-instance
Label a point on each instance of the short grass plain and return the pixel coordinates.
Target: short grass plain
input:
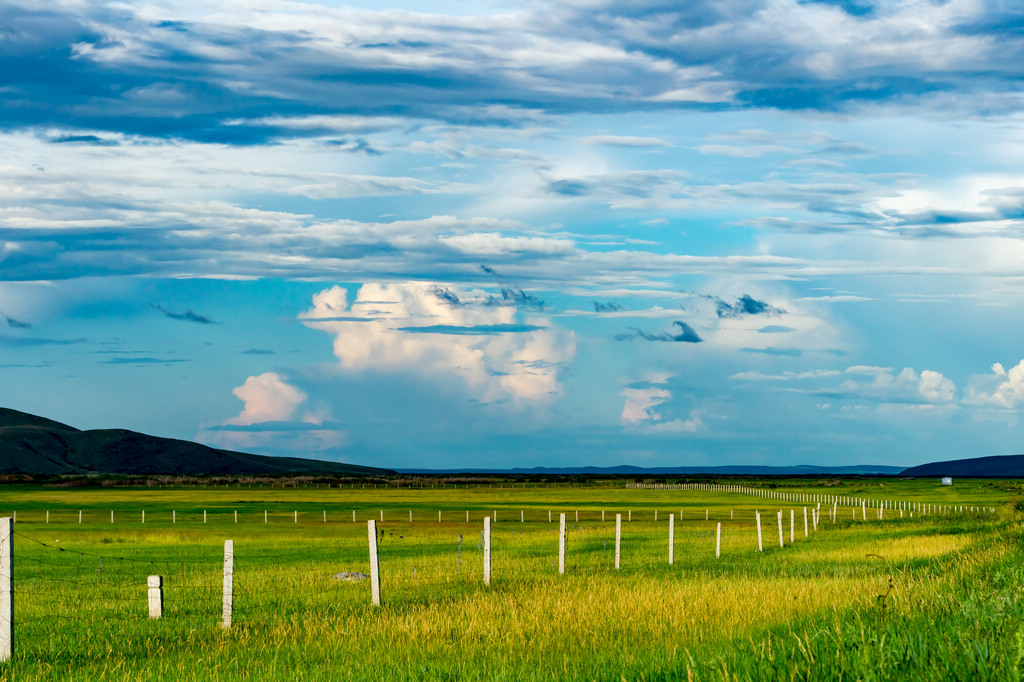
(933, 597)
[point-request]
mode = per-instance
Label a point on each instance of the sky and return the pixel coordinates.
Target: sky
(497, 234)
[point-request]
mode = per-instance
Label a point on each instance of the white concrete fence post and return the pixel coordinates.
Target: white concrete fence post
(671, 538)
(760, 545)
(487, 550)
(805, 522)
(618, 539)
(792, 526)
(718, 541)
(156, 596)
(229, 584)
(780, 529)
(561, 544)
(6, 587)
(371, 531)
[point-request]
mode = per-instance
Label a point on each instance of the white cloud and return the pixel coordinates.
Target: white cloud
(785, 376)
(267, 398)
(492, 244)
(691, 425)
(1002, 389)
(928, 387)
(638, 410)
(640, 404)
(623, 141)
(434, 331)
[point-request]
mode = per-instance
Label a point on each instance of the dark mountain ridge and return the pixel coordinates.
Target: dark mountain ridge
(995, 466)
(30, 444)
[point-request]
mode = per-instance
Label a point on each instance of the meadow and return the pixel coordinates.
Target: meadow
(928, 597)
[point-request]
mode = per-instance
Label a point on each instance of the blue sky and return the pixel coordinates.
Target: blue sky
(519, 234)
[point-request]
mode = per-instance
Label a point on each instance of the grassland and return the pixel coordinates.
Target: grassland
(929, 597)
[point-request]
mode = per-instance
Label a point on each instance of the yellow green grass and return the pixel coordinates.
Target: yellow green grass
(933, 597)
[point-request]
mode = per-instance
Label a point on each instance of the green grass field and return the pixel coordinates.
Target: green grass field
(922, 598)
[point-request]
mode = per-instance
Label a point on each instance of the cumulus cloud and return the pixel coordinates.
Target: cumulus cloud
(1002, 389)
(887, 386)
(640, 410)
(268, 398)
(439, 331)
(640, 404)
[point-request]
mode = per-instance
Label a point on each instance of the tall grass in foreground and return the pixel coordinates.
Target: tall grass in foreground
(933, 598)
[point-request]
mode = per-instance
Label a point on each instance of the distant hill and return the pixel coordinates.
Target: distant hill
(997, 466)
(36, 445)
(735, 470)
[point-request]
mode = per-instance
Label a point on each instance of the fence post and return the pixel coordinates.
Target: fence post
(229, 583)
(780, 529)
(6, 586)
(718, 541)
(174, 516)
(760, 546)
(143, 516)
(371, 530)
(204, 516)
(111, 515)
(156, 596)
(487, 550)
(618, 538)
(805, 522)
(671, 538)
(79, 516)
(792, 526)
(561, 543)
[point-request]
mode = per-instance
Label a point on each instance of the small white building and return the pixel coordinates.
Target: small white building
(947, 480)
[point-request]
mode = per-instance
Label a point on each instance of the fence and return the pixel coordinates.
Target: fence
(64, 583)
(877, 505)
(59, 583)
